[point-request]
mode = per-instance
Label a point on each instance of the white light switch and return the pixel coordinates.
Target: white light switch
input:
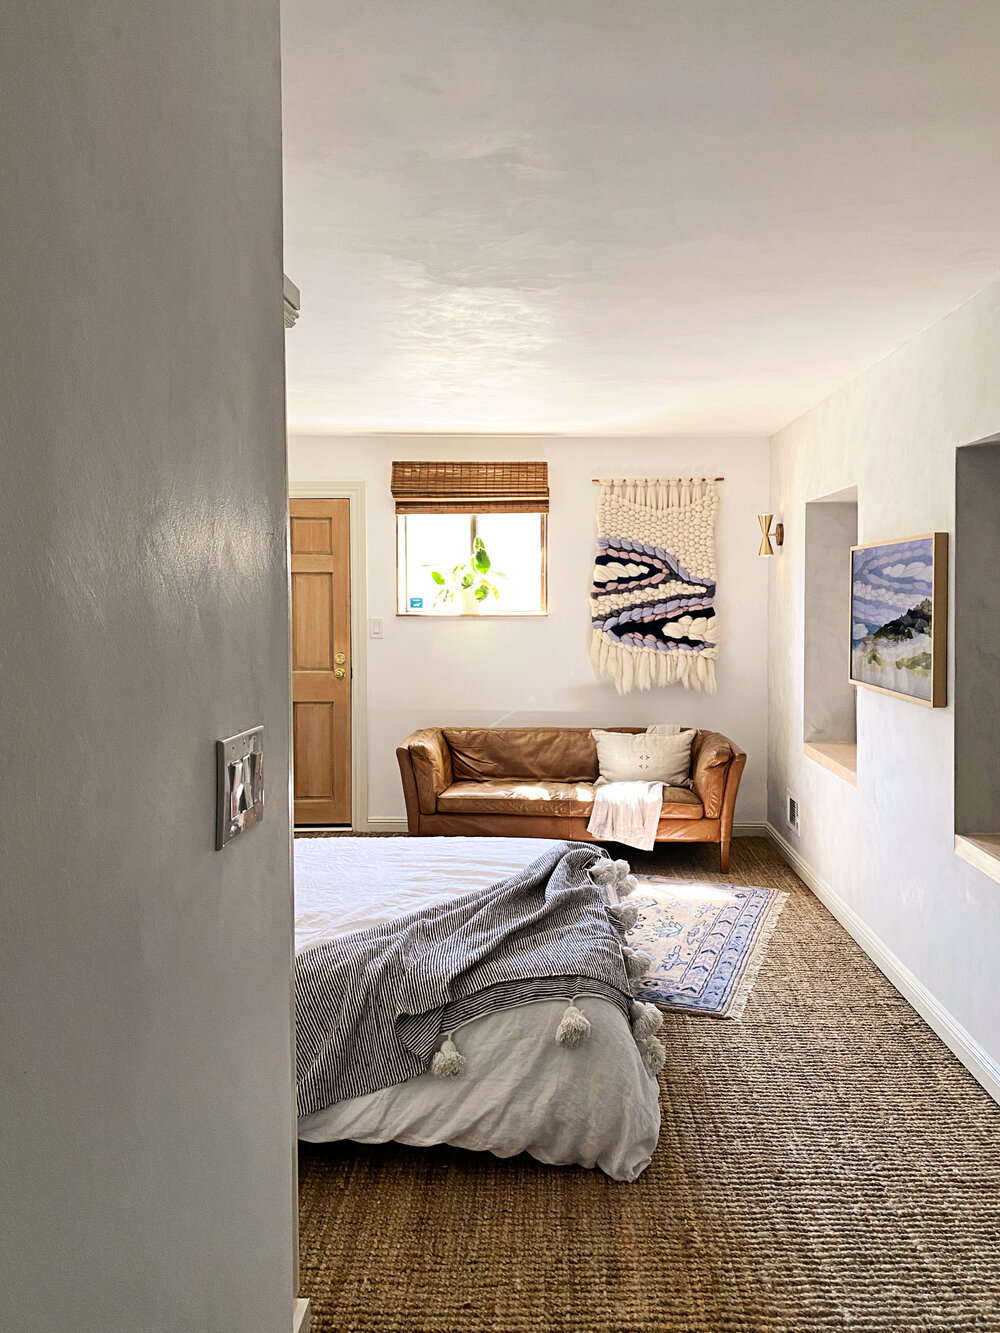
(375, 627)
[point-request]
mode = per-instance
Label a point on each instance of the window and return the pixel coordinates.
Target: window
(470, 538)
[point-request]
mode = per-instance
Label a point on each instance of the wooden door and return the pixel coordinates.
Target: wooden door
(321, 660)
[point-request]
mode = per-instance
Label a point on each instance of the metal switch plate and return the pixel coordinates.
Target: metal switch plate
(239, 784)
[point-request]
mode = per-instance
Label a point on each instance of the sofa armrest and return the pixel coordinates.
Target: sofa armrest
(711, 756)
(733, 774)
(428, 758)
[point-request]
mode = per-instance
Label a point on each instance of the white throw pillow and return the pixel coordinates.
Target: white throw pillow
(624, 756)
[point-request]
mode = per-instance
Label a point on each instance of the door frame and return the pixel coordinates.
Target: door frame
(354, 492)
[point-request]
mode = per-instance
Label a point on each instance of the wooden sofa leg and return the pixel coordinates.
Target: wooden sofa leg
(724, 856)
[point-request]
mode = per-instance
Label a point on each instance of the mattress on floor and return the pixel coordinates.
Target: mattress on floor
(589, 1105)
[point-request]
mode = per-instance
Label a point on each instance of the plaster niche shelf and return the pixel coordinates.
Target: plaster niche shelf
(837, 757)
(829, 727)
(982, 852)
(977, 651)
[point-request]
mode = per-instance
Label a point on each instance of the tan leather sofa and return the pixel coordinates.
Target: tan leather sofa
(538, 782)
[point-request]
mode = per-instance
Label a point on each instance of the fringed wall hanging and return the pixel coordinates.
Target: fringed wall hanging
(652, 604)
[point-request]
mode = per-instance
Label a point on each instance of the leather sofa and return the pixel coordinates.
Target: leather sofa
(538, 782)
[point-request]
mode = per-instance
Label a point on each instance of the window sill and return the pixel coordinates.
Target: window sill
(838, 757)
(468, 615)
(981, 850)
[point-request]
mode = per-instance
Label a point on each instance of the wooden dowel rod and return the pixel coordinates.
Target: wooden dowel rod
(653, 481)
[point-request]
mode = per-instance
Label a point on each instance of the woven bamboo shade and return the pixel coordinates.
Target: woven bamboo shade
(471, 488)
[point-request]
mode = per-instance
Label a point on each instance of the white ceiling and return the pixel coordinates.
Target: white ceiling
(626, 216)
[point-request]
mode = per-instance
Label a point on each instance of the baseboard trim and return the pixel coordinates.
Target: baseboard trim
(386, 824)
(750, 830)
(300, 1316)
(960, 1042)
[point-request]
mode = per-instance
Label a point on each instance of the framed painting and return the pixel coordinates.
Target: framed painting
(899, 617)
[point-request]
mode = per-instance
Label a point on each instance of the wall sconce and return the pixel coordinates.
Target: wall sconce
(765, 547)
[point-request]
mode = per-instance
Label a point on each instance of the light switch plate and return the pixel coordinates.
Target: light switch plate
(239, 784)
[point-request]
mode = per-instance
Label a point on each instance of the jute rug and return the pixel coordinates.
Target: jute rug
(825, 1164)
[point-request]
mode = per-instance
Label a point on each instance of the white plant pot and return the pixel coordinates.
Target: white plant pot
(470, 607)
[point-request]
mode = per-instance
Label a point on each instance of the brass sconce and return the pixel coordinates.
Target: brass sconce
(778, 534)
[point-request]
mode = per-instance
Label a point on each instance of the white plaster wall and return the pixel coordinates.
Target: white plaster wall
(531, 670)
(886, 848)
(146, 1113)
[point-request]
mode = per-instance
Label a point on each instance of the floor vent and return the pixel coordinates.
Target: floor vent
(793, 812)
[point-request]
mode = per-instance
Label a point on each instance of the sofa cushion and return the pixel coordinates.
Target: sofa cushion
(559, 754)
(563, 799)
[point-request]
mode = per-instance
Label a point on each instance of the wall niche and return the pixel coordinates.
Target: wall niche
(977, 654)
(829, 726)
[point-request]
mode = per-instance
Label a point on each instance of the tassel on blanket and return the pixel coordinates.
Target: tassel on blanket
(614, 878)
(637, 962)
(608, 872)
(574, 1028)
(626, 914)
(448, 1062)
(653, 1056)
(646, 1021)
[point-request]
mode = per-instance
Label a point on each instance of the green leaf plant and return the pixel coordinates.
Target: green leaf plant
(468, 576)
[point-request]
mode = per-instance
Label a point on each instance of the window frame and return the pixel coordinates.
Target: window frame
(402, 568)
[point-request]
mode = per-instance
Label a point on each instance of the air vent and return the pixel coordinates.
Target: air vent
(793, 812)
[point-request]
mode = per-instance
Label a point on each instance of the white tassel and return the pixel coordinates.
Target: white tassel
(626, 884)
(646, 1021)
(448, 1062)
(637, 962)
(626, 914)
(604, 873)
(653, 1056)
(574, 1028)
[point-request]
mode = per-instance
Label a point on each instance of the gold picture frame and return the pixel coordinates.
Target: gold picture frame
(899, 618)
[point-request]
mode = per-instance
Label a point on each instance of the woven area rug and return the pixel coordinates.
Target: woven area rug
(708, 942)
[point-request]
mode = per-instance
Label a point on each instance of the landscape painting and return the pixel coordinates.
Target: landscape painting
(899, 617)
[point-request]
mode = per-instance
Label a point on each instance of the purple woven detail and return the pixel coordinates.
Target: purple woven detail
(608, 547)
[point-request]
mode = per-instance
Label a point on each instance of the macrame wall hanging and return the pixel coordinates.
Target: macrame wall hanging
(652, 604)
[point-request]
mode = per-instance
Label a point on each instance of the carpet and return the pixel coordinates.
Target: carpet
(824, 1165)
(707, 941)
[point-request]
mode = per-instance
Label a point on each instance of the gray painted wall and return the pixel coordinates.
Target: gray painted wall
(887, 847)
(145, 1108)
(977, 634)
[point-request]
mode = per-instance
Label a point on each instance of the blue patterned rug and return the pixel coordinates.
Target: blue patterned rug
(707, 940)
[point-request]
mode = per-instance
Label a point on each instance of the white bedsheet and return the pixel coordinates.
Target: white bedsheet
(592, 1105)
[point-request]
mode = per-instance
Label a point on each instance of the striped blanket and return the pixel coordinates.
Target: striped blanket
(371, 1005)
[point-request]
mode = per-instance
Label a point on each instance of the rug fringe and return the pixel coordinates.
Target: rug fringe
(749, 978)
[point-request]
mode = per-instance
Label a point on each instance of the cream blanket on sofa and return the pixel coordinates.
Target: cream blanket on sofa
(626, 812)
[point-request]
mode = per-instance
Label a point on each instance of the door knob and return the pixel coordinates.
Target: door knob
(340, 673)
(340, 658)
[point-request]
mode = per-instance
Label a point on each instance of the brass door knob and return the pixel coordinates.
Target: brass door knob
(340, 673)
(340, 658)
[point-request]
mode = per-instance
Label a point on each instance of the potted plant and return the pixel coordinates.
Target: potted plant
(468, 581)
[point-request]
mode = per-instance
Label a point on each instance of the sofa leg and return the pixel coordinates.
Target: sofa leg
(724, 856)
